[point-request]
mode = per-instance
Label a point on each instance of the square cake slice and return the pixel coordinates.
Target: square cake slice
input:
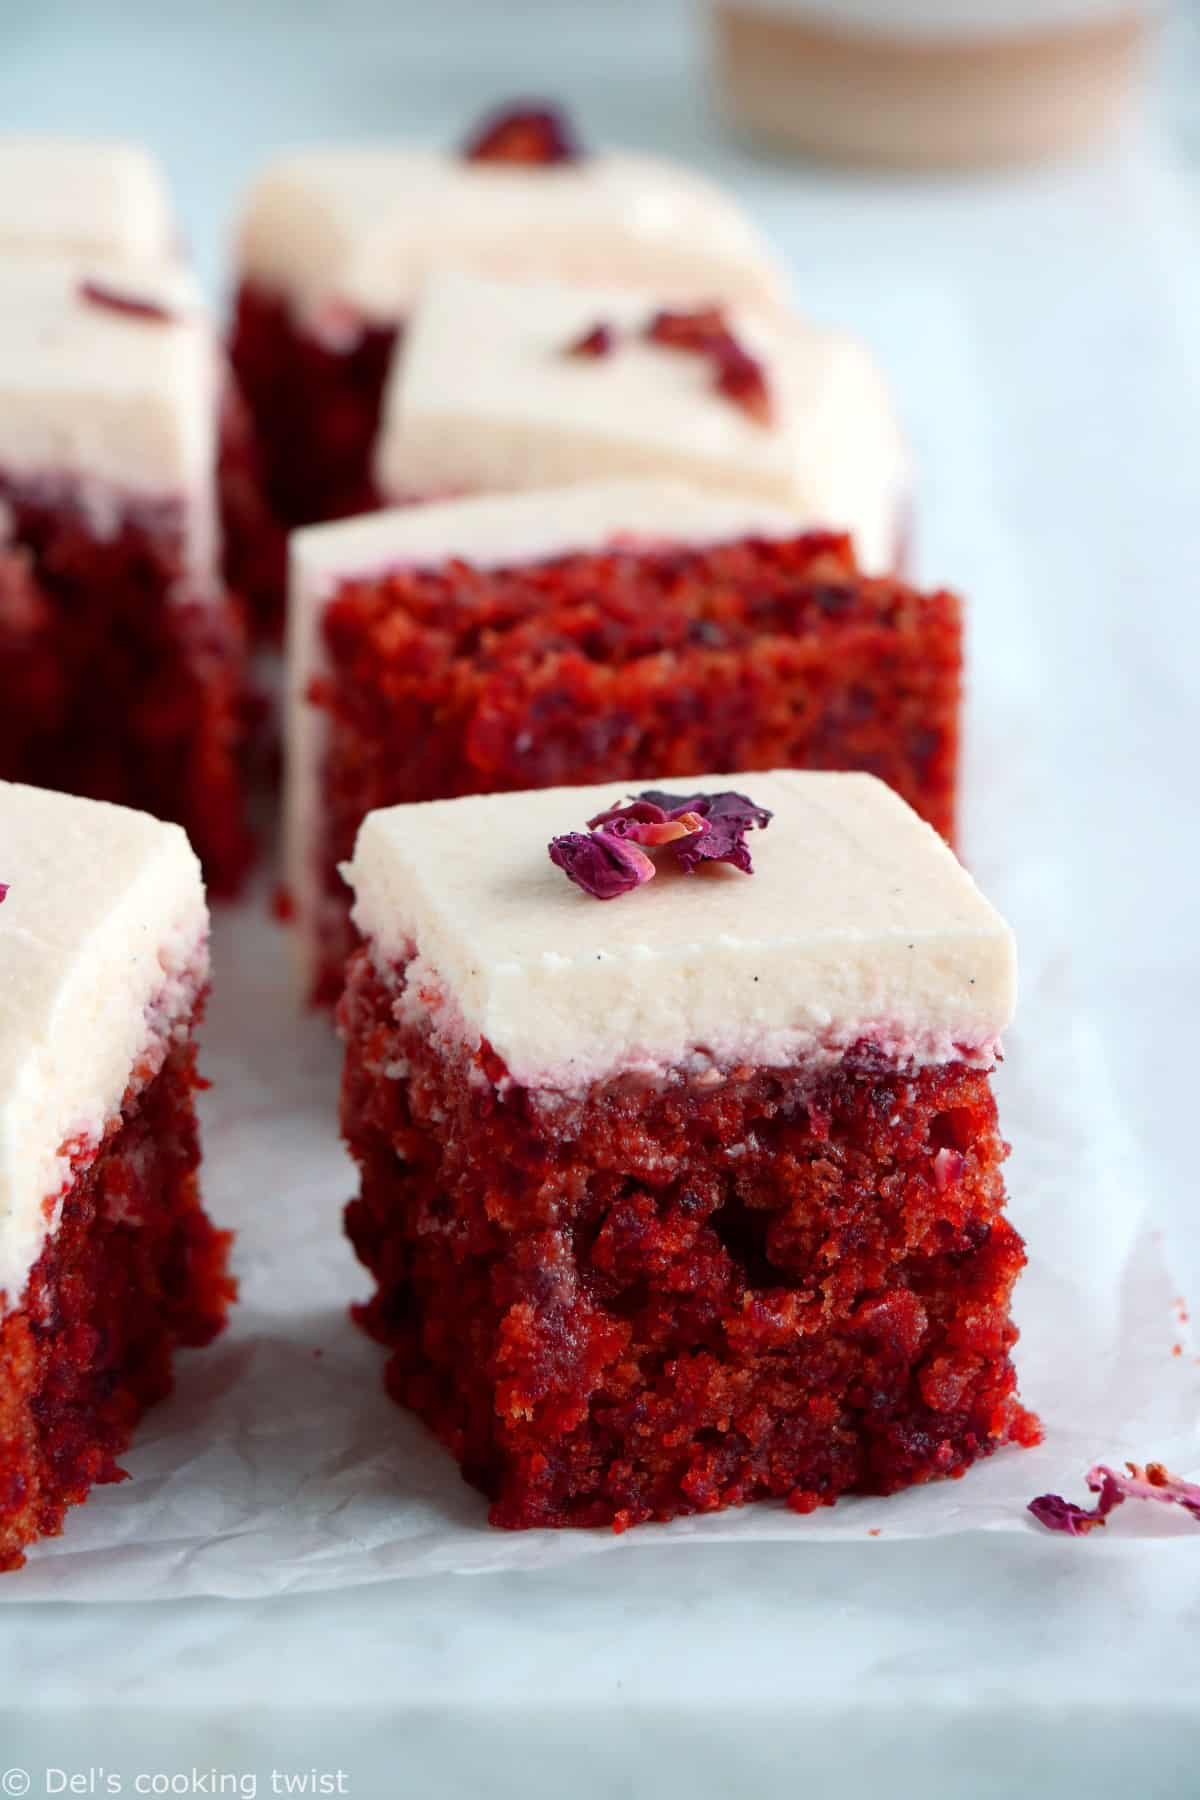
(692, 1195)
(335, 241)
(107, 1260)
(122, 658)
(504, 387)
(105, 206)
(623, 630)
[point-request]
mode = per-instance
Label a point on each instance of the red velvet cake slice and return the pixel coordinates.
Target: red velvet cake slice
(504, 387)
(122, 661)
(335, 242)
(682, 1191)
(107, 1261)
(106, 202)
(608, 630)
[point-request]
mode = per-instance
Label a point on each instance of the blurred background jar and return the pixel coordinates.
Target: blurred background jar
(930, 83)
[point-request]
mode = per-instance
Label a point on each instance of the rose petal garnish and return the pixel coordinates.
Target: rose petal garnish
(601, 340)
(3, 891)
(738, 375)
(535, 136)
(742, 378)
(703, 329)
(728, 816)
(647, 824)
(697, 828)
(95, 293)
(602, 864)
(1153, 1482)
(1057, 1514)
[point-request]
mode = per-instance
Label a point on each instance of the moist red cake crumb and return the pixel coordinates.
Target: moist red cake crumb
(254, 540)
(629, 665)
(133, 1269)
(304, 391)
(655, 1300)
(116, 685)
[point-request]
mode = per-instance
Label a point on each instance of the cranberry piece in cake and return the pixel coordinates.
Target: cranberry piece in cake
(107, 1260)
(608, 630)
(336, 242)
(649, 1188)
(484, 400)
(122, 657)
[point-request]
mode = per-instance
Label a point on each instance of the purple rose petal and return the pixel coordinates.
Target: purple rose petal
(134, 306)
(1057, 1514)
(601, 864)
(697, 828)
(728, 816)
(1153, 1482)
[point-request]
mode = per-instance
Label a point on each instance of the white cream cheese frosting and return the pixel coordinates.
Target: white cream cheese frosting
(86, 197)
(486, 397)
(103, 950)
(360, 227)
(491, 532)
(117, 406)
(858, 923)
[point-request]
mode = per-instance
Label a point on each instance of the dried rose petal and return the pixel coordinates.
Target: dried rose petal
(3, 891)
(728, 816)
(601, 864)
(1154, 1482)
(742, 378)
(606, 860)
(622, 818)
(535, 136)
(737, 374)
(601, 340)
(703, 330)
(1057, 1514)
(95, 293)
(647, 824)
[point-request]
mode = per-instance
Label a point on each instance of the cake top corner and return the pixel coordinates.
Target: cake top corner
(84, 196)
(103, 930)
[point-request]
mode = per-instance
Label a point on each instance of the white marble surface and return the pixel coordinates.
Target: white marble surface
(967, 1667)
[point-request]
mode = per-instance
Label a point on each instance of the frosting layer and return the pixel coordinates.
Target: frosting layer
(857, 923)
(102, 954)
(362, 226)
(487, 397)
(491, 532)
(119, 404)
(85, 197)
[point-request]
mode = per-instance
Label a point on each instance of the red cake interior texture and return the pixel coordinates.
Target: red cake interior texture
(316, 406)
(625, 665)
(114, 687)
(648, 1301)
(133, 1269)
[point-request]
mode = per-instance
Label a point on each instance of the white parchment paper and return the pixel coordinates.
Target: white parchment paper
(279, 1466)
